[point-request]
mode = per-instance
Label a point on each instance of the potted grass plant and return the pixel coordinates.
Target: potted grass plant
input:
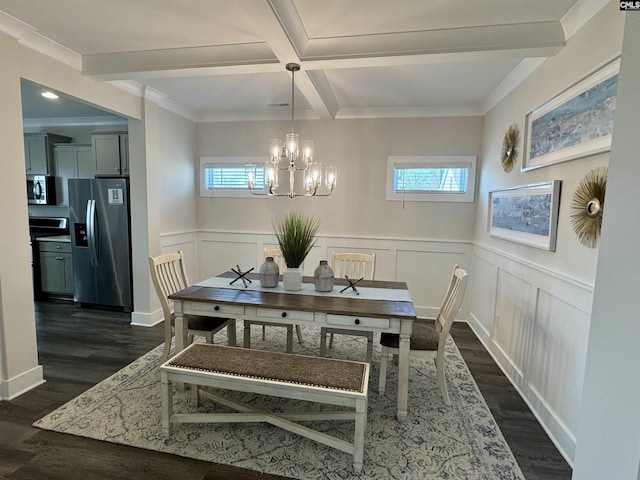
(295, 233)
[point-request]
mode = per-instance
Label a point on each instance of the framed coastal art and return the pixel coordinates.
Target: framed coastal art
(575, 123)
(526, 214)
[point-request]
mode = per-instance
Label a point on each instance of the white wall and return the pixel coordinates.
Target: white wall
(359, 148)
(19, 369)
(532, 307)
(609, 420)
(169, 197)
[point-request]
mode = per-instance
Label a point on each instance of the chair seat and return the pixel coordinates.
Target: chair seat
(202, 323)
(423, 337)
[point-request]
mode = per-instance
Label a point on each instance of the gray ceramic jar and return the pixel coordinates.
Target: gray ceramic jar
(323, 277)
(269, 273)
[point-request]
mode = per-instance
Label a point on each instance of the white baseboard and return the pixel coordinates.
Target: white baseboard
(16, 386)
(145, 319)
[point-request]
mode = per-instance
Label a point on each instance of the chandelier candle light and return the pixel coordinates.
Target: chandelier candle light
(289, 156)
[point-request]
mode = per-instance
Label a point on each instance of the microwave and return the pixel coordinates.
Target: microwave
(41, 190)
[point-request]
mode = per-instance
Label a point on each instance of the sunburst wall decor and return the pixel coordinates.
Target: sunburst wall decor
(587, 206)
(510, 147)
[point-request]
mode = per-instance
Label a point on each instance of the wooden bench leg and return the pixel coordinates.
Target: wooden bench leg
(167, 403)
(358, 440)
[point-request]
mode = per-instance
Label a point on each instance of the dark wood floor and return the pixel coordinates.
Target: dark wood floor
(80, 347)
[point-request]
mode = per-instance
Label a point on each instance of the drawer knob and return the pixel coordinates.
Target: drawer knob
(357, 321)
(283, 314)
(216, 308)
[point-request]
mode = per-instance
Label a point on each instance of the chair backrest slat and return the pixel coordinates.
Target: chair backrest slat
(354, 265)
(452, 300)
(168, 275)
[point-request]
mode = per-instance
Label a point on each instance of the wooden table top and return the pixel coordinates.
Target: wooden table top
(351, 305)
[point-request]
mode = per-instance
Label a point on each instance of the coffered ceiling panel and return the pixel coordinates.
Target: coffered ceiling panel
(225, 59)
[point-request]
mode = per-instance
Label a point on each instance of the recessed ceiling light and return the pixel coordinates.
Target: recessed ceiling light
(50, 95)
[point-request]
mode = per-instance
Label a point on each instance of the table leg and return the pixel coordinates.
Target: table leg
(403, 376)
(247, 335)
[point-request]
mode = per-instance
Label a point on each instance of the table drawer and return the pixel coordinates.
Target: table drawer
(217, 308)
(352, 321)
(271, 314)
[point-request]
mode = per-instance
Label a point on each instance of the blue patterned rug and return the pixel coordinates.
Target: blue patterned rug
(435, 442)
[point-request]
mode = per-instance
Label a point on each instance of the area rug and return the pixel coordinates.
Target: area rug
(435, 442)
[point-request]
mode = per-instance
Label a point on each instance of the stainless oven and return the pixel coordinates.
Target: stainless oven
(41, 189)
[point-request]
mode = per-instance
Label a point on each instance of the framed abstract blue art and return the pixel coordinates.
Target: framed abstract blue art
(527, 214)
(575, 123)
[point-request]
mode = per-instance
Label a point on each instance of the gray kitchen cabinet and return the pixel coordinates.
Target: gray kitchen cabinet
(111, 154)
(38, 152)
(72, 161)
(56, 269)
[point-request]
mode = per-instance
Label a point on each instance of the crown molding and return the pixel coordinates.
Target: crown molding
(28, 36)
(525, 68)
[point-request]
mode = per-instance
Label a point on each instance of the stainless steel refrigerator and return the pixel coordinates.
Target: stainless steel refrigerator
(100, 241)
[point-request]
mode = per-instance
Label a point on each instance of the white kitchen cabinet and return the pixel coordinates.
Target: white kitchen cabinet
(72, 161)
(111, 154)
(56, 268)
(38, 152)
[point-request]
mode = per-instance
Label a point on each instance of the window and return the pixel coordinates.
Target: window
(227, 176)
(431, 179)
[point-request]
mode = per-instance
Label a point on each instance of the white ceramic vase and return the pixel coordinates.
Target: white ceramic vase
(292, 279)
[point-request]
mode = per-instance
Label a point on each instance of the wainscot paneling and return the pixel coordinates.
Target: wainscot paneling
(424, 264)
(535, 323)
(188, 243)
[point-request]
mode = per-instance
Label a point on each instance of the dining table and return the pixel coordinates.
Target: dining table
(373, 306)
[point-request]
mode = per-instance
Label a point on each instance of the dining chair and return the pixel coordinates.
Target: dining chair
(427, 341)
(169, 275)
(279, 259)
(355, 266)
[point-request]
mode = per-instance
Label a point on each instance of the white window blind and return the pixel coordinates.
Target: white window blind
(433, 179)
(227, 176)
(230, 178)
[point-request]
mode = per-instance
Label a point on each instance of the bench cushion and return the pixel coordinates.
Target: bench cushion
(279, 367)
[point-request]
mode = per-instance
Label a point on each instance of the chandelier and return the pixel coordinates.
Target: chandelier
(296, 159)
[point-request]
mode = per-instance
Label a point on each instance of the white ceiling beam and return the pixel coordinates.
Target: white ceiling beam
(110, 66)
(522, 36)
(322, 86)
(284, 39)
(279, 24)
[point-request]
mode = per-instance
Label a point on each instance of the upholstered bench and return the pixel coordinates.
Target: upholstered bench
(316, 379)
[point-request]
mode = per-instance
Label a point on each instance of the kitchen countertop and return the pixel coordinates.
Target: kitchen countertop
(55, 238)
